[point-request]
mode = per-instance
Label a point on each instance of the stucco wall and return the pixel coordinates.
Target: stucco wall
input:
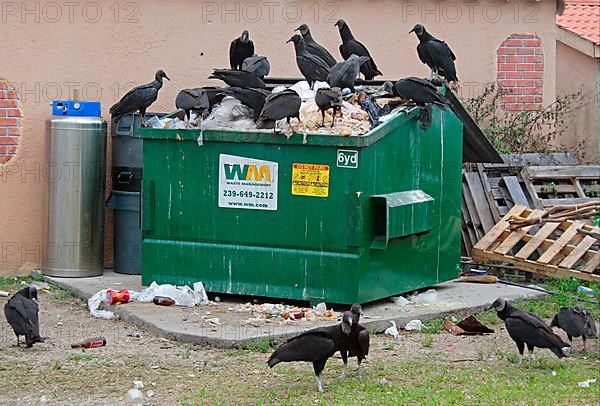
(49, 47)
(575, 72)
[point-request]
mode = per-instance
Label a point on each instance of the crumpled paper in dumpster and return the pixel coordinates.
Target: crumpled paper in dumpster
(182, 295)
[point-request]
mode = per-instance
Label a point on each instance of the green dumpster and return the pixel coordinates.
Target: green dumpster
(329, 218)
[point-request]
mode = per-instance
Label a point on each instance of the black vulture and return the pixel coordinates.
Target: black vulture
(358, 340)
(528, 328)
(285, 104)
(215, 95)
(417, 90)
(311, 66)
(238, 78)
(253, 98)
(21, 313)
(344, 74)
(139, 98)
(351, 46)
(327, 99)
(195, 100)
(315, 346)
(576, 322)
(436, 54)
(314, 47)
(240, 49)
(257, 64)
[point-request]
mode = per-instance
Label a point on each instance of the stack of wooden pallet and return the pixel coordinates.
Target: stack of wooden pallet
(558, 249)
(537, 181)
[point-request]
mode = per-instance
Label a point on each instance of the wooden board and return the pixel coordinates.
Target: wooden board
(515, 190)
(572, 254)
(480, 200)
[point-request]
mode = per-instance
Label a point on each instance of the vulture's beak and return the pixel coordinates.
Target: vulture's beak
(413, 30)
(166, 77)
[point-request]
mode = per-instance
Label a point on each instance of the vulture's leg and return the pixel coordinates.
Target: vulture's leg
(143, 117)
(530, 349)
(359, 369)
(584, 346)
(521, 348)
(18, 342)
(318, 367)
(344, 355)
(323, 115)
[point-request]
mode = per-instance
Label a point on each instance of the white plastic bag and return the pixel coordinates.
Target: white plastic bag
(392, 331)
(94, 303)
(182, 295)
(414, 325)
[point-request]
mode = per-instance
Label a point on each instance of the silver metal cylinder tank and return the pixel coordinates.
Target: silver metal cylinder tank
(76, 151)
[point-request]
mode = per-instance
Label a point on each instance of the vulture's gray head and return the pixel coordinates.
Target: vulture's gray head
(245, 36)
(303, 30)
(346, 322)
(418, 29)
(160, 74)
(499, 304)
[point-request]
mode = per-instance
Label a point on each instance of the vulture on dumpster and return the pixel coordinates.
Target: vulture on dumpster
(257, 64)
(238, 78)
(436, 54)
(327, 99)
(351, 46)
(345, 73)
(576, 322)
(528, 328)
(21, 313)
(240, 49)
(314, 47)
(417, 90)
(195, 100)
(311, 66)
(315, 346)
(139, 98)
(285, 104)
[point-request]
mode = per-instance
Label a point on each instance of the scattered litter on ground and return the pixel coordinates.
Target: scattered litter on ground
(3, 293)
(392, 331)
(553, 373)
(586, 384)
(90, 343)
(138, 384)
(414, 325)
(113, 297)
(428, 297)
(400, 300)
(135, 396)
(182, 295)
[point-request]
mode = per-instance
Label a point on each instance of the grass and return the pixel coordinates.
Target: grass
(262, 345)
(15, 283)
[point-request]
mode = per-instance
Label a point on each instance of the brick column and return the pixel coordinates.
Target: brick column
(10, 121)
(521, 72)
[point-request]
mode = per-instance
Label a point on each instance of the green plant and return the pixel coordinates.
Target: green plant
(428, 341)
(521, 131)
(262, 345)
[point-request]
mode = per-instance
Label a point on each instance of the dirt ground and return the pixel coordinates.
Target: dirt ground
(173, 372)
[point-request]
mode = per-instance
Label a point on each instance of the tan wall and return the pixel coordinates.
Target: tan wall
(187, 38)
(575, 72)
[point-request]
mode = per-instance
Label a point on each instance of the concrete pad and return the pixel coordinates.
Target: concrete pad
(234, 329)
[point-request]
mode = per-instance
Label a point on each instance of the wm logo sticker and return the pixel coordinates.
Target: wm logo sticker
(247, 172)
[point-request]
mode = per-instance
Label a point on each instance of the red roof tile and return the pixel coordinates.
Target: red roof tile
(582, 17)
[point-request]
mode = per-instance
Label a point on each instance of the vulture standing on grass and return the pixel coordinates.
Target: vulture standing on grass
(257, 64)
(253, 98)
(240, 49)
(436, 54)
(21, 313)
(314, 47)
(311, 66)
(344, 74)
(139, 98)
(315, 346)
(358, 341)
(327, 99)
(238, 78)
(529, 329)
(351, 46)
(285, 104)
(576, 322)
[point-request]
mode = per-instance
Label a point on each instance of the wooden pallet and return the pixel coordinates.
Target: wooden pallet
(555, 249)
(561, 185)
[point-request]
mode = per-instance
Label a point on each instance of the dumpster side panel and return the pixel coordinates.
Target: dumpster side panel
(413, 159)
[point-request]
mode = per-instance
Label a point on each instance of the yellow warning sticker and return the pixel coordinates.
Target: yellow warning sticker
(310, 180)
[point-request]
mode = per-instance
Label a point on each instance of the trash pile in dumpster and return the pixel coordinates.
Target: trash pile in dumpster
(331, 99)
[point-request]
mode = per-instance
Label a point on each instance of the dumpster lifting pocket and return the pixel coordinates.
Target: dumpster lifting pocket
(400, 214)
